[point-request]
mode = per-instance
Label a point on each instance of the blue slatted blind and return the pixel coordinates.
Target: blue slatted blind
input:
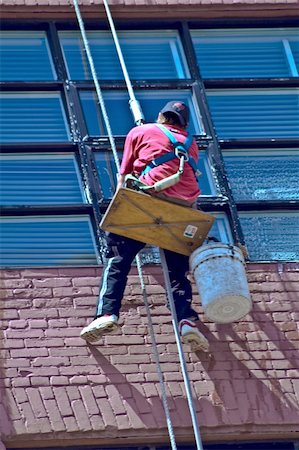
(40, 179)
(271, 236)
(32, 117)
(148, 55)
(25, 56)
(264, 174)
(256, 113)
(121, 120)
(47, 241)
(247, 53)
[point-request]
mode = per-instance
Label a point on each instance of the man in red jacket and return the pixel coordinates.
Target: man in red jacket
(144, 146)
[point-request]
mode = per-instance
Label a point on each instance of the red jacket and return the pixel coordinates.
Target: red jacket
(145, 143)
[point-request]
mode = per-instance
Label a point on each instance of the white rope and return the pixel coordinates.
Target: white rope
(96, 83)
(138, 261)
(157, 357)
(134, 104)
(198, 440)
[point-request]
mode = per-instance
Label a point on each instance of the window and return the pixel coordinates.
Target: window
(107, 173)
(257, 126)
(255, 113)
(242, 89)
(32, 117)
(271, 235)
(263, 174)
(47, 241)
(121, 120)
(247, 53)
(148, 55)
(25, 56)
(40, 179)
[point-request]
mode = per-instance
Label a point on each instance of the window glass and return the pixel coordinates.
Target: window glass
(259, 113)
(271, 236)
(118, 110)
(221, 229)
(47, 241)
(40, 179)
(147, 54)
(107, 173)
(263, 174)
(32, 117)
(25, 56)
(247, 53)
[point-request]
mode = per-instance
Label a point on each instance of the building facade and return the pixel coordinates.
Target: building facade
(236, 65)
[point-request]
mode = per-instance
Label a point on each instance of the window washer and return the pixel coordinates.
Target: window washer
(144, 146)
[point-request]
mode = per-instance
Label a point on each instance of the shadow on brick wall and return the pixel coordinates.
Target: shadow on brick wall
(254, 377)
(5, 409)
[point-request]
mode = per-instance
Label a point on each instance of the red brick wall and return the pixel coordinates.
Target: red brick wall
(55, 388)
(141, 9)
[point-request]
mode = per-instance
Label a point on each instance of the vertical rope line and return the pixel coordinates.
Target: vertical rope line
(157, 357)
(181, 353)
(134, 104)
(96, 83)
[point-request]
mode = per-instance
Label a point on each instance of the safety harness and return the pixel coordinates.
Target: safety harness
(180, 150)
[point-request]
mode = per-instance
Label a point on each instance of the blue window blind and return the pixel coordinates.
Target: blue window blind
(247, 53)
(147, 54)
(257, 113)
(32, 117)
(40, 179)
(25, 56)
(118, 110)
(264, 174)
(47, 241)
(271, 236)
(107, 173)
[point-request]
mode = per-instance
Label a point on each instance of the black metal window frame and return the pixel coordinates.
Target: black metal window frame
(267, 445)
(85, 145)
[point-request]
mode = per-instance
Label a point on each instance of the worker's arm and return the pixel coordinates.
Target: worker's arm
(129, 155)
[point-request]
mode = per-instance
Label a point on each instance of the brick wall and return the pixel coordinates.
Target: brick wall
(139, 9)
(56, 389)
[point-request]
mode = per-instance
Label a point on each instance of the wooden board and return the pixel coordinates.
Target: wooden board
(157, 222)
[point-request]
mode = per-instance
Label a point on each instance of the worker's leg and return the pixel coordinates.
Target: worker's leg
(178, 267)
(120, 254)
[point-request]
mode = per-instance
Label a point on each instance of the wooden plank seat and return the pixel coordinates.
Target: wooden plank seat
(157, 222)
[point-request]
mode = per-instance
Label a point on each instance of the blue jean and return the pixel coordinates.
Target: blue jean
(121, 252)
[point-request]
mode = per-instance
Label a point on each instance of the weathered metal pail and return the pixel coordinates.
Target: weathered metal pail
(220, 276)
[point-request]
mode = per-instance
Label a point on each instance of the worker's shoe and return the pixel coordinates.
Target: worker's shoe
(99, 326)
(192, 336)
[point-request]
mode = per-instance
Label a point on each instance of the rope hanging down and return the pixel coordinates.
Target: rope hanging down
(138, 118)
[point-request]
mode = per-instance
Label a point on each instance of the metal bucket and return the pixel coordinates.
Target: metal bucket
(220, 276)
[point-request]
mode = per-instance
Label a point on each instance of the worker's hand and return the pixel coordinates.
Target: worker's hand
(120, 181)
